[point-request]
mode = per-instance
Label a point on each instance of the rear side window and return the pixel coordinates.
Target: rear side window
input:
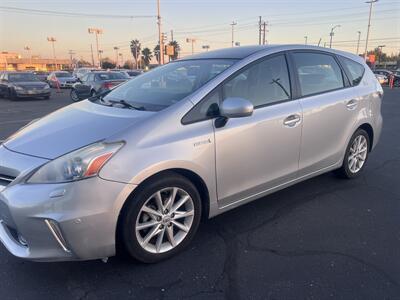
(354, 70)
(317, 73)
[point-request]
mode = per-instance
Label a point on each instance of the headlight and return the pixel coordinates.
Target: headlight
(82, 163)
(18, 88)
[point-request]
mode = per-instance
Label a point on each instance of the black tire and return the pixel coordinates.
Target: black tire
(74, 96)
(93, 93)
(129, 215)
(46, 97)
(344, 171)
(12, 95)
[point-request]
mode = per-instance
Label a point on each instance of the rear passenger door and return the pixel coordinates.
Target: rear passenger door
(330, 107)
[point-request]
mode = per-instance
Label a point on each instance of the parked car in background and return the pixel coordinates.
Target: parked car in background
(94, 83)
(128, 73)
(41, 75)
(141, 165)
(80, 72)
(14, 85)
(381, 78)
(61, 79)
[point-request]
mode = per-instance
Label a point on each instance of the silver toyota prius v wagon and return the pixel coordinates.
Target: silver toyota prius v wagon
(140, 165)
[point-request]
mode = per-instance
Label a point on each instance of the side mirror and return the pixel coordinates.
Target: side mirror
(233, 107)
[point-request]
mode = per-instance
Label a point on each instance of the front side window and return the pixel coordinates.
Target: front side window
(317, 73)
(264, 83)
(168, 84)
(354, 70)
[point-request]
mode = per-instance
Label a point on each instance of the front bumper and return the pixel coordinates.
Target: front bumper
(39, 93)
(57, 222)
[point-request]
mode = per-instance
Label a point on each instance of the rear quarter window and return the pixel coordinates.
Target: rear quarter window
(355, 71)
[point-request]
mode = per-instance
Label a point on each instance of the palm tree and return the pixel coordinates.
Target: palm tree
(156, 51)
(135, 49)
(177, 48)
(147, 55)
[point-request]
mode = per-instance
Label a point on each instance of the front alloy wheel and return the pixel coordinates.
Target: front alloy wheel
(161, 219)
(164, 220)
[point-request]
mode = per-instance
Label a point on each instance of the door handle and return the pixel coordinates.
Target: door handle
(352, 104)
(291, 121)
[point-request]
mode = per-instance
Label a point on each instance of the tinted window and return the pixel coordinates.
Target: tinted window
(263, 83)
(63, 74)
(317, 73)
(20, 77)
(90, 77)
(109, 76)
(168, 84)
(84, 78)
(354, 70)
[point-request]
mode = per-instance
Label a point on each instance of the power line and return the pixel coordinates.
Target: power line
(69, 14)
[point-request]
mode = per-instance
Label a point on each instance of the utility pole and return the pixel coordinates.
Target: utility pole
(52, 40)
(264, 32)
(358, 42)
(332, 34)
(305, 38)
(160, 36)
(91, 50)
(71, 53)
(122, 59)
(172, 35)
(191, 40)
(233, 38)
(27, 48)
(96, 31)
(380, 47)
(259, 30)
(116, 56)
(100, 57)
(371, 2)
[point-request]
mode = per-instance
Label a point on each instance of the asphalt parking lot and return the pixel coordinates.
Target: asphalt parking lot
(325, 238)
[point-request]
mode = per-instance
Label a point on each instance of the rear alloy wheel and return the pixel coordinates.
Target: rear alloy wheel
(356, 155)
(161, 219)
(74, 95)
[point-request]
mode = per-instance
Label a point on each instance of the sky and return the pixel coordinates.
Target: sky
(206, 21)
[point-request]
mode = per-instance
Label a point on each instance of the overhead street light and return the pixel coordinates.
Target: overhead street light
(96, 31)
(369, 26)
(332, 33)
(52, 40)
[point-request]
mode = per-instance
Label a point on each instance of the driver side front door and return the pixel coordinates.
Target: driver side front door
(256, 154)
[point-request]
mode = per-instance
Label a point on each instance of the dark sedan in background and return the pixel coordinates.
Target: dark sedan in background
(94, 83)
(16, 85)
(61, 79)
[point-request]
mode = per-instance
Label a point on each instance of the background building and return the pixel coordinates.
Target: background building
(12, 61)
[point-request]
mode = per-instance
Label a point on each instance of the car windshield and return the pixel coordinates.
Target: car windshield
(63, 74)
(167, 85)
(110, 76)
(22, 77)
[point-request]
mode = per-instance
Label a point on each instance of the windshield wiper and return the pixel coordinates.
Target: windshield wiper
(125, 104)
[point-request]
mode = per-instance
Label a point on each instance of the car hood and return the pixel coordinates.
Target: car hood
(71, 128)
(38, 84)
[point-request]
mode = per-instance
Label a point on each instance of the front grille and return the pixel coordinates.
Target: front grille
(6, 179)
